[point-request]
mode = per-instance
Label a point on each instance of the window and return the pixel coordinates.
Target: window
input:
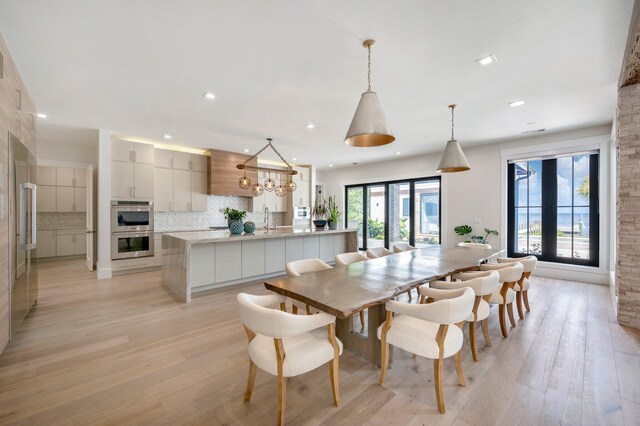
(553, 209)
(398, 211)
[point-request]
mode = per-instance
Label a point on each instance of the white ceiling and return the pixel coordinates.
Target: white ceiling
(140, 68)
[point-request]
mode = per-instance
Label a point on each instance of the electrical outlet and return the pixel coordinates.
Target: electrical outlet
(477, 220)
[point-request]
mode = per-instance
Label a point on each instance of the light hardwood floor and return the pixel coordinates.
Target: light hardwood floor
(122, 351)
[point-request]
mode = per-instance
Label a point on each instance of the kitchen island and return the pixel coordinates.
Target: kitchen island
(202, 260)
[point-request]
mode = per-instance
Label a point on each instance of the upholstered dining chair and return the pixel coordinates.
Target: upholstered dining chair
(522, 286)
(375, 252)
(345, 259)
(477, 245)
(287, 345)
(504, 296)
(399, 248)
(483, 285)
(425, 330)
(301, 267)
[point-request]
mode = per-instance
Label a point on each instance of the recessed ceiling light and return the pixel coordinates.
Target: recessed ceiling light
(294, 159)
(397, 152)
(487, 60)
(330, 165)
(167, 136)
(531, 123)
(310, 126)
(246, 150)
(516, 103)
(209, 95)
(41, 115)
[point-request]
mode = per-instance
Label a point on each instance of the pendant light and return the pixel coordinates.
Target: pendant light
(244, 182)
(257, 189)
(453, 159)
(291, 185)
(269, 184)
(369, 126)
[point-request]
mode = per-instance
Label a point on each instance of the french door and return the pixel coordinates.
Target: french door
(386, 213)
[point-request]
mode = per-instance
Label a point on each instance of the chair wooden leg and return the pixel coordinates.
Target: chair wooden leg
(409, 295)
(294, 310)
(473, 341)
(362, 318)
(334, 370)
(437, 374)
(250, 381)
(519, 304)
(282, 393)
(457, 359)
(422, 300)
(384, 362)
(525, 296)
(503, 322)
(308, 309)
(512, 319)
(485, 331)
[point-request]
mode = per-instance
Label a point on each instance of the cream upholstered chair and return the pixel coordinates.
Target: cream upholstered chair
(301, 267)
(483, 285)
(425, 330)
(400, 247)
(504, 296)
(345, 259)
(522, 286)
(287, 345)
(477, 245)
(375, 252)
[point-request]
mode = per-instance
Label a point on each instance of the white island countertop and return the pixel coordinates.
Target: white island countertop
(204, 237)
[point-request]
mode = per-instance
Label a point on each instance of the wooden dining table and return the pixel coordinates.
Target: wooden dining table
(344, 291)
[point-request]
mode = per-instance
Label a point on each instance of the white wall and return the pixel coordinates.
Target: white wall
(61, 153)
(478, 192)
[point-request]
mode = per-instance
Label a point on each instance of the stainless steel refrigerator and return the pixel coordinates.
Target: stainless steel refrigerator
(23, 271)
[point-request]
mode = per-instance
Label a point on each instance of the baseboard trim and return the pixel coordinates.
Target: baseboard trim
(565, 273)
(103, 273)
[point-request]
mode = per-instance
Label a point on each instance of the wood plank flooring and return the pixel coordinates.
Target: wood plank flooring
(122, 351)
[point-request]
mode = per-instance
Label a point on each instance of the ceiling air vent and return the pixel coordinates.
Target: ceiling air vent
(531, 132)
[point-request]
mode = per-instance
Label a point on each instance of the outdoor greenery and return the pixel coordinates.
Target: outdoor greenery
(233, 214)
(584, 188)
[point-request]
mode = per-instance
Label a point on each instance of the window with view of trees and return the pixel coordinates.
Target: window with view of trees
(553, 209)
(387, 213)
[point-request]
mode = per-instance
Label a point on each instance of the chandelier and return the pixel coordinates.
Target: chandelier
(269, 185)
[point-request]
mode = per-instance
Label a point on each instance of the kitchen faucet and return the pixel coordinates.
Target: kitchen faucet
(266, 217)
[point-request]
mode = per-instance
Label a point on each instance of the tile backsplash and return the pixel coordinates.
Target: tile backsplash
(185, 221)
(68, 220)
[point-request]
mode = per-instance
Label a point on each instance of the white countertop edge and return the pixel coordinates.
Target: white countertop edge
(203, 237)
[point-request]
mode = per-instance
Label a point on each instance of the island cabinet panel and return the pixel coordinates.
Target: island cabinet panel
(228, 261)
(253, 258)
(311, 247)
(326, 243)
(225, 175)
(339, 244)
(202, 264)
(275, 255)
(294, 249)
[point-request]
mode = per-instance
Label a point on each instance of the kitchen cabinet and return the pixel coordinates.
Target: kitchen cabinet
(80, 178)
(80, 199)
(64, 176)
(274, 255)
(181, 190)
(46, 175)
(46, 198)
(46, 243)
(65, 245)
(143, 181)
(253, 258)
(199, 163)
(162, 192)
(132, 152)
(70, 199)
(181, 160)
(199, 191)
(163, 158)
(121, 180)
(224, 175)
(70, 242)
(228, 261)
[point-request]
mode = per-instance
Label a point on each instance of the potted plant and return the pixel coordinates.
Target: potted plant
(463, 230)
(320, 212)
(234, 219)
(333, 213)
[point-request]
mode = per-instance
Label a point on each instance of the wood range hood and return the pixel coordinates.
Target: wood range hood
(224, 175)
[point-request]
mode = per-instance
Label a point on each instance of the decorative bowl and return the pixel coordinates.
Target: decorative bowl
(320, 223)
(236, 227)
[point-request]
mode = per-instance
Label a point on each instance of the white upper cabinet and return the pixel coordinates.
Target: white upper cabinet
(143, 153)
(181, 160)
(121, 180)
(64, 199)
(132, 152)
(79, 199)
(46, 175)
(143, 181)
(80, 178)
(162, 184)
(64, 176)
(46, 198)
(181, 190)
(199, 191)
(132, 170)
(163, 158)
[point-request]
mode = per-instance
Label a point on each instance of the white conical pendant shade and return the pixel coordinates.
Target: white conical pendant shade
(453, 159)
(369, 126)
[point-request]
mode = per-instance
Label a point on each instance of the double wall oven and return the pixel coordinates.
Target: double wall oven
(131, 229)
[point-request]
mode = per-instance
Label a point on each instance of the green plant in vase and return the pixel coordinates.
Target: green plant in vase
(234, 219)
(320, 213)
(463, 230)
(333, 213)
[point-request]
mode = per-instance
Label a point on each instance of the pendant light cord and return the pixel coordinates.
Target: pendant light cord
(452, 108)
(369, 70)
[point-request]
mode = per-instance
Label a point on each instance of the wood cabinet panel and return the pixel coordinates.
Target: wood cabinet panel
(199, 163)
(224, 174)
